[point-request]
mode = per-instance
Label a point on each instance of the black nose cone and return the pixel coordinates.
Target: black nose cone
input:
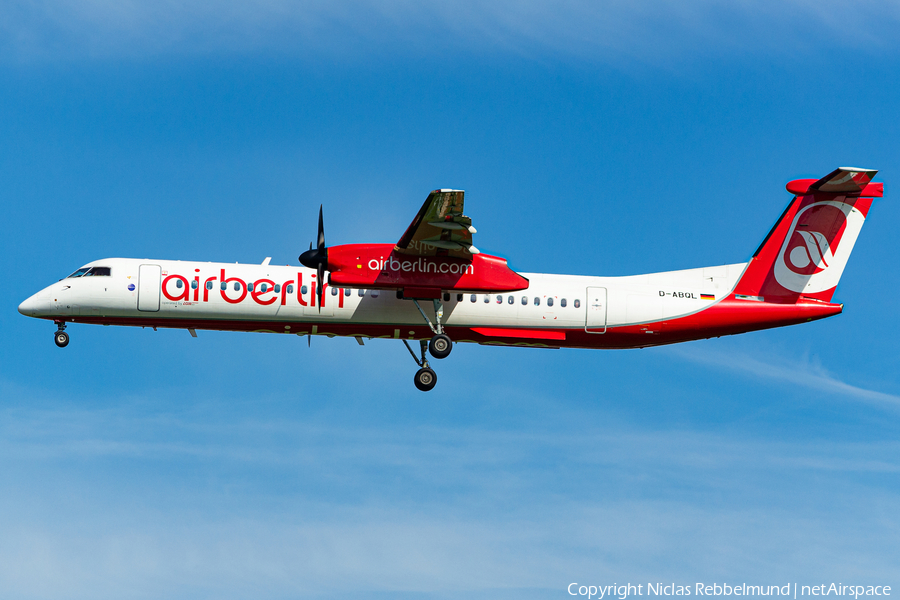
(314, 257)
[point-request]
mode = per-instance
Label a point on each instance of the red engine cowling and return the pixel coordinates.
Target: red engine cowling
(380, 266)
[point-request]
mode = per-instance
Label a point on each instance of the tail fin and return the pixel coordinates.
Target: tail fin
(806, 251)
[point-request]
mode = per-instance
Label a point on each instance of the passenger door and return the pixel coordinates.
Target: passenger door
(149, 279)
(595, 320)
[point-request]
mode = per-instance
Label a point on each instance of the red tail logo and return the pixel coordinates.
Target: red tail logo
(813, 241)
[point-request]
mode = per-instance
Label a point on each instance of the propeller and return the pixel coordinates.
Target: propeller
(317, 258)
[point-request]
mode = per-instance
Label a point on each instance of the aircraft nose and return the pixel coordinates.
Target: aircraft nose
(32, 306)
(28, 307)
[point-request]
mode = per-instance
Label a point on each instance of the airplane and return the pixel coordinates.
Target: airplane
(370, 291)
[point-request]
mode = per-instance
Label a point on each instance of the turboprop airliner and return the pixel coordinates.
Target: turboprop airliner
(434, 287)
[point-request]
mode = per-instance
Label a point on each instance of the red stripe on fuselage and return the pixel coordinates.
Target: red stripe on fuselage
(727, 317)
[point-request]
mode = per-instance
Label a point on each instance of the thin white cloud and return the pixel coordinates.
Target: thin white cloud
(184, 501)
(802, 372)
(643, 31)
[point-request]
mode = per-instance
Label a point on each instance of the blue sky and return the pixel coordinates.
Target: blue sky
(607, 139)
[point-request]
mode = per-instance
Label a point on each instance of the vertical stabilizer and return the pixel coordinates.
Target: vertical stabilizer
(806, 251)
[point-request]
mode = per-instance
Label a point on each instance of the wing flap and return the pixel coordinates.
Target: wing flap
(440, 227)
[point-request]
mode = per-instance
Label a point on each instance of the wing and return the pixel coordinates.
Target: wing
(440, 228)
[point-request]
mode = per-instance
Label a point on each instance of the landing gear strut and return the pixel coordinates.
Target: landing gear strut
(425, 378)
(440, 345)
(61, 337)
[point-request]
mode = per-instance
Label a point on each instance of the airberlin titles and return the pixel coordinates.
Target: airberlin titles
(420, 265)
(234, 290)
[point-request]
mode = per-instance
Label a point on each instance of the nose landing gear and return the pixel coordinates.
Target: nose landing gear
(61, 337)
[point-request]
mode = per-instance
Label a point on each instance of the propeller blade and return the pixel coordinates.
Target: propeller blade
(321, 240)
(317, 257)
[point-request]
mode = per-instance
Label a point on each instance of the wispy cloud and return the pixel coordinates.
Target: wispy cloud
(181, 501)
(804, 372)
(644, 31)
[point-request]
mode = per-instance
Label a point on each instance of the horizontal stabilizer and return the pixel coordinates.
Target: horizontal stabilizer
(847, 181)
(844, 180)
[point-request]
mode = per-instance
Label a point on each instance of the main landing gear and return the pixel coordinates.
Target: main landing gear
(425, 378)
(61, 337)
(439, 346)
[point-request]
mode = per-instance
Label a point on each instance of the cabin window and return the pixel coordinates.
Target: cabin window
(562, 302)
(334, 291)
(263, 287)
(290, 289)
(487, 298)
(577, 303)
(511, 300)
(549, 301)
(524, 300)
(303, 289)
(223, 285)
(446, 297)
(347, 293)
(179, 283)
(209, 285)
(237, 286)
(360, 293)
(537, 301)
(374, 293)
(277, 288)
(459, 297)
(499, 299)
(250, 285)
(474, 297)
(195, 284)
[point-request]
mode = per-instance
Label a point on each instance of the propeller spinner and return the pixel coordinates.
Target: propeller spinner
(317, 258)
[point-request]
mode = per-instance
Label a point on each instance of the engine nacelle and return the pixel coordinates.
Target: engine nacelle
(380, 266)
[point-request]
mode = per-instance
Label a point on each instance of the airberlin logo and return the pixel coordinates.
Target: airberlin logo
(809, 249)
(815, 251)
(420, 265)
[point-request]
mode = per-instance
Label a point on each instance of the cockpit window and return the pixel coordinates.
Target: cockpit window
(91, 272)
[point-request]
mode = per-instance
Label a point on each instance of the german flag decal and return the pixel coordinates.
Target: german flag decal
(707, 297)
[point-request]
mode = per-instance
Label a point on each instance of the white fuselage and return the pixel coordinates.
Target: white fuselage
(175, 291)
